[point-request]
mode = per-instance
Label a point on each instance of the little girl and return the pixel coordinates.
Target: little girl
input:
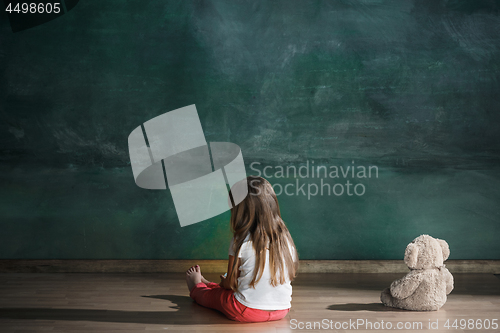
(262, 262)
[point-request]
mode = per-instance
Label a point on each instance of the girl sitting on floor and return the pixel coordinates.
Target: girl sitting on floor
(262, 262)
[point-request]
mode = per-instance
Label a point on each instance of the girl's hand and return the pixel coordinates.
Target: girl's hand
(224, 282)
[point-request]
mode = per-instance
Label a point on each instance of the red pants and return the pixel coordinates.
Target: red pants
(215, 297)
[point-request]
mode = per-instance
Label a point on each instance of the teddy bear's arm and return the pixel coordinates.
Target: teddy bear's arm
(406, 286)
(449, 281)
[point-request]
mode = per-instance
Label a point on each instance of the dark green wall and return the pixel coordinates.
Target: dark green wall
(412, 87)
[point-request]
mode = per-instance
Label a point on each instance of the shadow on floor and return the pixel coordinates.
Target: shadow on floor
(184, 312)
(376, 307)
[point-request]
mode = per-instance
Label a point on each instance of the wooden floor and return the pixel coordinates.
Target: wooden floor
(83, 302)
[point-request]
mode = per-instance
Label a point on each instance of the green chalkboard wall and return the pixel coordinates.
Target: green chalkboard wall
(410, 88)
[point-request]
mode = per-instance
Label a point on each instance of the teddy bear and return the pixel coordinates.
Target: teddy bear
(425, 287)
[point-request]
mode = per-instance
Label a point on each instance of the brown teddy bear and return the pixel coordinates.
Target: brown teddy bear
(425, 287)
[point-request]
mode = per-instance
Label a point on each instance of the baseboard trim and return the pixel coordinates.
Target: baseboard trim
(219, 266)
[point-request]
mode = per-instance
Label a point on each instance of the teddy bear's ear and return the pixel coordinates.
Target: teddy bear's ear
(445, 248)
(411, 255)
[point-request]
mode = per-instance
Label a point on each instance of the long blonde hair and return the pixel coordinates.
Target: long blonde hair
(258, 215)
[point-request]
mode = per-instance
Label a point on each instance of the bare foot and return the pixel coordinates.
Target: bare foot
(193, 276)
(205, 281)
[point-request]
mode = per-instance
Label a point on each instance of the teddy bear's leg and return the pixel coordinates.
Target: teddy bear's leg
(405, 304)
(391, 301)
(386, 297)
